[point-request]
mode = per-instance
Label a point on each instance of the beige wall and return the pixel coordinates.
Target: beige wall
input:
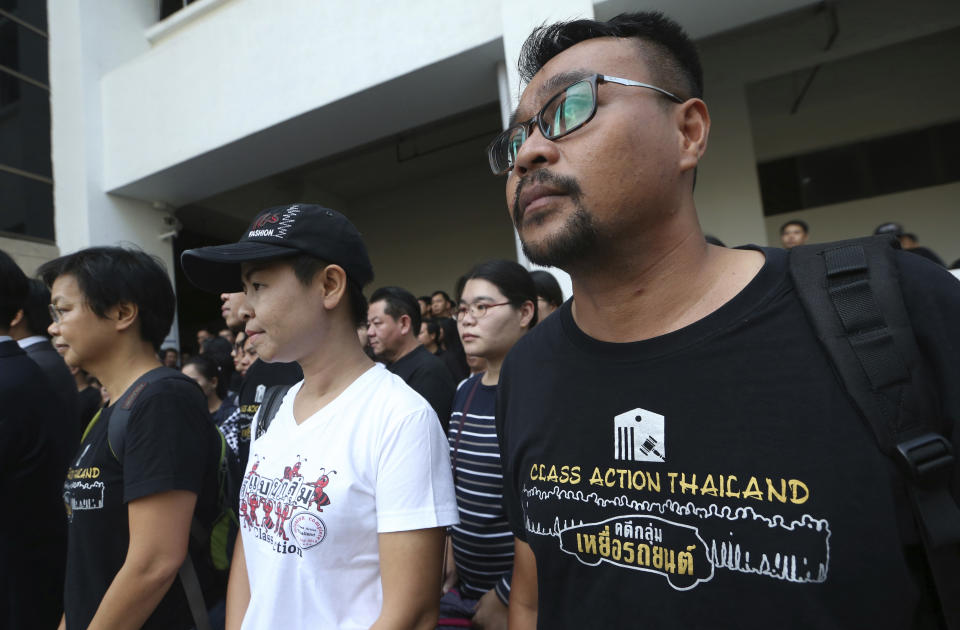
(28, 254)
(426, 234)
(881, 76)
(933, 214)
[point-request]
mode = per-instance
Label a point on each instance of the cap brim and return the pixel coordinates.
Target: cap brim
(217, 269)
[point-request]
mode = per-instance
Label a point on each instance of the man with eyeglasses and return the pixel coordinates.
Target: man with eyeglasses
(393, 323)
(677, 450)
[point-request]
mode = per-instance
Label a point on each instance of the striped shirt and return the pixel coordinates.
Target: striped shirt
(483, 541)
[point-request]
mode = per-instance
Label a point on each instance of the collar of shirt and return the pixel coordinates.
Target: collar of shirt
(29, 341)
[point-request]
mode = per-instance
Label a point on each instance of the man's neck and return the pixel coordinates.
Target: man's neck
(648, 291)
(409, 345)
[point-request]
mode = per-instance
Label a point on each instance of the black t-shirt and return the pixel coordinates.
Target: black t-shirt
(260, 377)
(717, 476)
(170, 444)
(429, 377)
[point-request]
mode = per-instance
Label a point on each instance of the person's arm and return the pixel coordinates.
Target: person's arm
(238, 588)
(159, 532)
(410, 566)
(523, 588)
(449, 568)
(490, 613)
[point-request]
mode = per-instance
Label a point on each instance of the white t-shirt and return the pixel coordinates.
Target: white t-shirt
(315, 496)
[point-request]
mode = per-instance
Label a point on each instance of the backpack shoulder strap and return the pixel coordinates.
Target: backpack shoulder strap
(851, 293)
(120, 415)
(269, 406)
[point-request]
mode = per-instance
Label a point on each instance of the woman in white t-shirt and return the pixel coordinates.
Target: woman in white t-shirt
(345, 496)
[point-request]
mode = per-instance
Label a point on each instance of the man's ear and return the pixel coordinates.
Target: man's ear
(334, 282)
(125, 313)
(16, 319)
(406, 325)
(693, 124)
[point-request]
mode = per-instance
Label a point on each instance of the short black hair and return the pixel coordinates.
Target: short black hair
(164, 351)
(108, 276)
(512, 279)
(36, 309)
(209, 370)
(547, 287)
(399, 302)
(665, 48)
(433, 328)
(14, 289)
(713, 240)
(802, 224)
(305, 267)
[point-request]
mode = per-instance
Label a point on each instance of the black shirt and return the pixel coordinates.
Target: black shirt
(717, 476)
(260, 377)
(429, 377)
(170, 444)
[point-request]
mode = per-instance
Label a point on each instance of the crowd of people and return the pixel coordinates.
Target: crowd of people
(673, 447)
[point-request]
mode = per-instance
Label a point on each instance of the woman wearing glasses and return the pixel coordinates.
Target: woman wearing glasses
(497, 307)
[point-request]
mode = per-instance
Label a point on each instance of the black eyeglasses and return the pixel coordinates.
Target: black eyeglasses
(477, 310)
(565, 112)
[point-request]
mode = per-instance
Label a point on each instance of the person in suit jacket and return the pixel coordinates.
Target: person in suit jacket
(34, 453)
(28, 328)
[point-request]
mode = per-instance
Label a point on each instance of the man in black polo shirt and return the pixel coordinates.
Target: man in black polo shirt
(393, 324)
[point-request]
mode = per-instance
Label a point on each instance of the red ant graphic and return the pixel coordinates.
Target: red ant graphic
(243, 513)
(282, 515)
(319, 496)
(254, 502)
(267, 508)
(289, 472)
(253, 469)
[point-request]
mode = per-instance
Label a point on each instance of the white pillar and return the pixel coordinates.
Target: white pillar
(519, 20)
(88, 40)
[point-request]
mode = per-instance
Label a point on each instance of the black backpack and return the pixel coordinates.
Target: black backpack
(268, 408)
(217, 541)
(851, 293)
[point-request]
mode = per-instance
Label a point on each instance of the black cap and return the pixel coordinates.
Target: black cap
(889, 228)
(276, 233)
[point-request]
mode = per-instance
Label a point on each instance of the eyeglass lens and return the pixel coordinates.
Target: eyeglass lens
(562, 114)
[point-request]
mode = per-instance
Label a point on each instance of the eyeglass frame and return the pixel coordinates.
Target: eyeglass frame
(55, 313)
(463, 309)
(594, 80)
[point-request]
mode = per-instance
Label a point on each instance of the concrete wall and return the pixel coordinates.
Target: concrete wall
(933, 214)
(28, 254)
(246, 66)
(425, 235)
(764, 66)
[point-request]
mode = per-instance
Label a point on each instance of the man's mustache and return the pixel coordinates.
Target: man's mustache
(563, 184)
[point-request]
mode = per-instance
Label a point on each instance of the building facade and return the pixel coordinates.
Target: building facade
(171, 133)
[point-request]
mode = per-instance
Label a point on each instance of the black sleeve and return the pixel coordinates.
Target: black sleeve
(932, 297)
(167, 445)
(511, 501)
